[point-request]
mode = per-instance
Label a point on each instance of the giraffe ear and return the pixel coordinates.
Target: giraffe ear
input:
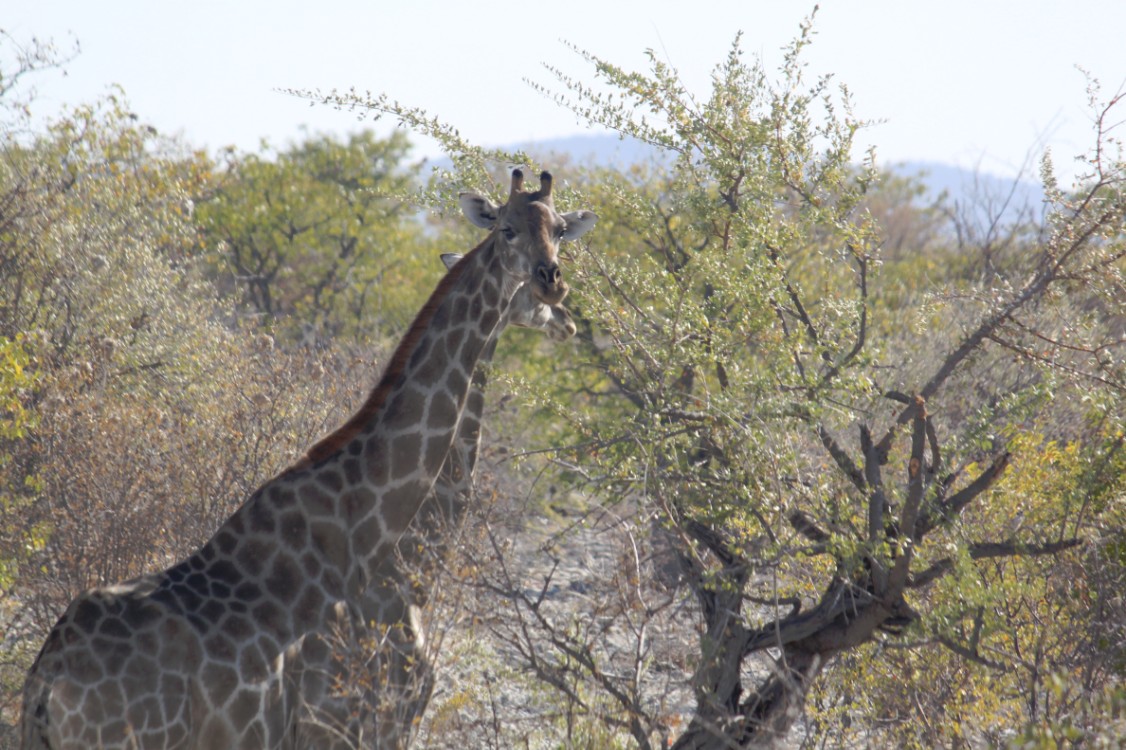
(451, 259)
(478, 209)
(578, 223)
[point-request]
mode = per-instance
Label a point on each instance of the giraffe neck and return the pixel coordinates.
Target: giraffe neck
(454, 485)
(341, 510)
(449, 333)
(430, 381)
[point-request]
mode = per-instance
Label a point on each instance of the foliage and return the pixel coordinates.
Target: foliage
(17, 384)
(860, 463)
(740, 319)
(316, 240)
(136, 414)
(1095, 719)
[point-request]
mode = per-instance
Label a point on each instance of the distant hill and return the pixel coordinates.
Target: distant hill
(968, 188)
(962, 187)
(608, 149)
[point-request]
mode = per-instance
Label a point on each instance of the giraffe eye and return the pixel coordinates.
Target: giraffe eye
(509, 233)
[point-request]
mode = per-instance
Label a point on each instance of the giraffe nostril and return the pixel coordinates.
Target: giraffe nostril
(548, 275)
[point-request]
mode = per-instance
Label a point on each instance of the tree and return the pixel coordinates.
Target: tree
(775, 203)
(827, 445)
(316, 239)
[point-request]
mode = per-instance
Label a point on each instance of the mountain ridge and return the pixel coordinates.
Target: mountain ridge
(959, 187)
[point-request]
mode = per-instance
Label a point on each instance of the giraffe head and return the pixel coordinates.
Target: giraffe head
(527, 231)
(528, 312)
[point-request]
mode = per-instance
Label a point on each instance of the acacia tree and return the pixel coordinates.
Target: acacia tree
(752, 338)
(823, 441)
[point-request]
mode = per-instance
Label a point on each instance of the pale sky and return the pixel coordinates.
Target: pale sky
(972, 83)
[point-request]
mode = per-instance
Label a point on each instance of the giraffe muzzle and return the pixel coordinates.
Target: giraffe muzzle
(549, 275)
(550, 287)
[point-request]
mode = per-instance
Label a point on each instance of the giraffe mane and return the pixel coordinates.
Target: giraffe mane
(335, 441)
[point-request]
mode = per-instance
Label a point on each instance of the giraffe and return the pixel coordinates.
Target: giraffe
(234, 646)
(408, 683)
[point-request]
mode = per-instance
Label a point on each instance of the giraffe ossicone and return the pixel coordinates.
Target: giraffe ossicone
(237, 645)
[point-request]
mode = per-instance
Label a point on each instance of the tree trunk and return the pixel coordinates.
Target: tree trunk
(766, 716)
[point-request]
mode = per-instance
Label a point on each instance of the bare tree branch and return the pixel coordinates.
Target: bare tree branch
(987, 550)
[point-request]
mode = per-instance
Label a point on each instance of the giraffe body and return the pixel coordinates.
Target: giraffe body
(241, 644)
